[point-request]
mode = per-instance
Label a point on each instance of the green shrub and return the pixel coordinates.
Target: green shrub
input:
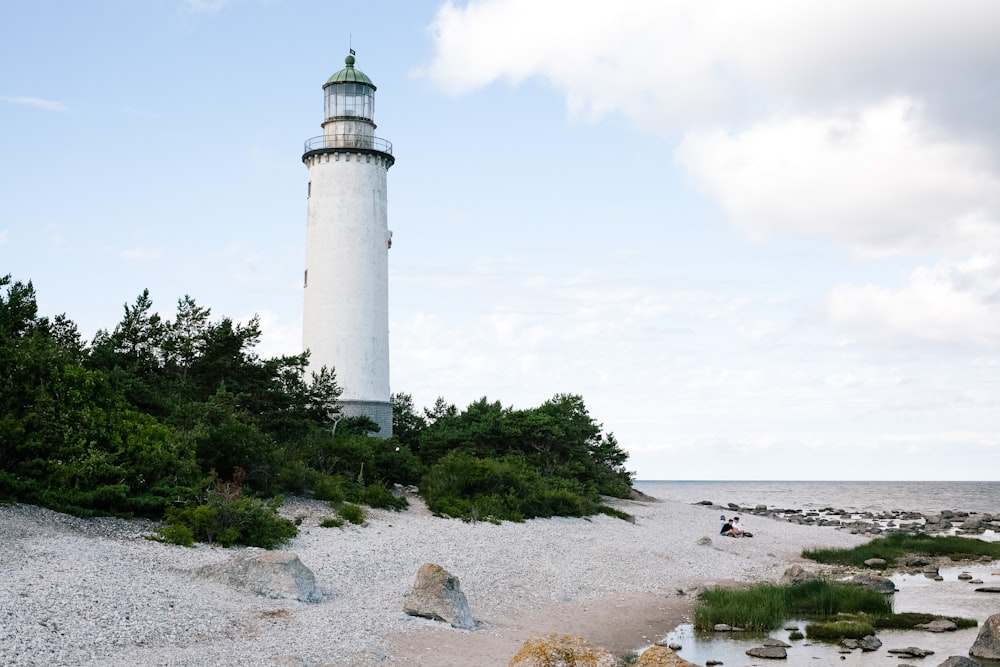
(795, 635)
(227, 517)
(501, 489)
(351, 513)
(335, 522)
(177, 534)
(378, 495)
(834, 631)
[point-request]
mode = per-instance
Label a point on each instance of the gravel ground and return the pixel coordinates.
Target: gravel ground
(96, 592)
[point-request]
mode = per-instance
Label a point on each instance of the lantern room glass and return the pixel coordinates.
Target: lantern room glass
(354, 100)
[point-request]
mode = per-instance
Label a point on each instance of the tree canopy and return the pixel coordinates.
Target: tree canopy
(157, 412)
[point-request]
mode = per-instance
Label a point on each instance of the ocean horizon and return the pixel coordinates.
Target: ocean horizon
(856, 496)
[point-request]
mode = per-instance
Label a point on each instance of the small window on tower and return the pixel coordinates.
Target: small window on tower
(305, 278)
(309, 189)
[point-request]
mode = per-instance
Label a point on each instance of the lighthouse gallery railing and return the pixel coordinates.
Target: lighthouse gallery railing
(363, 141)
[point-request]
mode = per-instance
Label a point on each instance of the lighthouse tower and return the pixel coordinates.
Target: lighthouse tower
(346, 313)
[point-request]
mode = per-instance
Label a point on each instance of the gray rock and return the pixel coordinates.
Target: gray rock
(769, 652)
(988, 589)
(722, 627)
(850, 643)
(940, 625)
(438, 595)
(912, 652)
(930, 569)
(771, 641)
(873, 582)
(987, 644)
(877, 563)
(959, 661)
(704, 541)
(273, 574)
(870, 643)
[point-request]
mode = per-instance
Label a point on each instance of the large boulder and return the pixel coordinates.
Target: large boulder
(768, 652)
(562, 651)
(874, 582)
(661, 656)
(959, 661)
(272, 574)
(437, 594)
(987, 644)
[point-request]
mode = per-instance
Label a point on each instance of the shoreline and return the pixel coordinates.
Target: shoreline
(94, 591)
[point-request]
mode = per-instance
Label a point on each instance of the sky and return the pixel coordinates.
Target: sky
(760, 239)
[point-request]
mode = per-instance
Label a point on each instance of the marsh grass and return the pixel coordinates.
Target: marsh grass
(834, 631)
(910, 619)
(760, 608)
(765, 607)
(899, 544)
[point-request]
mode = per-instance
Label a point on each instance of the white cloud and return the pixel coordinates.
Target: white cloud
(881, 181)
(48, 105)
(952, 302)
(659, 63)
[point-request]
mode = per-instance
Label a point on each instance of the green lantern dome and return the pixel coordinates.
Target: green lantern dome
(350, 75)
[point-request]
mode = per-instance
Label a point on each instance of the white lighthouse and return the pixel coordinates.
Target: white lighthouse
(346, 312)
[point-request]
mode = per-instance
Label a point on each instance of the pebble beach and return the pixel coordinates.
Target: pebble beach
(98, 592)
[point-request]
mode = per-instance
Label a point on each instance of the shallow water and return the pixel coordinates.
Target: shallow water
(951, 597)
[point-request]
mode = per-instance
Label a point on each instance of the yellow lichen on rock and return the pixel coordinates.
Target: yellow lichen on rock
(562, 651)
(661, 656)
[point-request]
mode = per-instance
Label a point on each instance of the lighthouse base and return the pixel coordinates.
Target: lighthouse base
(379, 412)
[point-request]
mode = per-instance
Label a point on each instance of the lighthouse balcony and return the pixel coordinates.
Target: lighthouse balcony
(351, 142)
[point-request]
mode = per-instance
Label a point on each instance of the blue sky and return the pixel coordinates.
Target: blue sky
(760, 239)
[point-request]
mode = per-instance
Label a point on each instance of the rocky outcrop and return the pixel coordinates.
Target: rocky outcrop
(563, 651)
(659, 656)
(987, 644)
(437, 594)
(273, 574)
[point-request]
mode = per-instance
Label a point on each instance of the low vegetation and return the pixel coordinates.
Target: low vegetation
(896, 545)
(765, 607)
(836, 610)
(156, 416)
(837, 630)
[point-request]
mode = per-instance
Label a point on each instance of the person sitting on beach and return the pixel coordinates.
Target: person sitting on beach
(736, 530)
(727, 529)
(722, 524)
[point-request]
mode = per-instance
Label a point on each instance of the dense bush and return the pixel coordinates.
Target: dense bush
(134, 422)
(228, 517)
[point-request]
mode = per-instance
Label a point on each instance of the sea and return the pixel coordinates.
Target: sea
(924, 497)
